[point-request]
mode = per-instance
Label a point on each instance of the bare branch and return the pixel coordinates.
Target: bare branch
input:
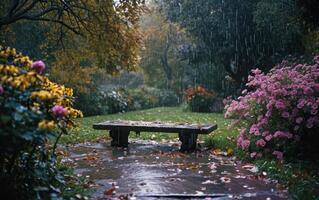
(28, 8)
(55, 21)
(23, 10)
(14, 5)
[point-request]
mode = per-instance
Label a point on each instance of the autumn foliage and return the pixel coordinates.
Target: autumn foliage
(199, 99)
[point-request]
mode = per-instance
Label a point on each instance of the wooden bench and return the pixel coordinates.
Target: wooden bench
(120, 130)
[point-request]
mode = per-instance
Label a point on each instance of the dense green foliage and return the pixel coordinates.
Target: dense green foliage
(299, 176)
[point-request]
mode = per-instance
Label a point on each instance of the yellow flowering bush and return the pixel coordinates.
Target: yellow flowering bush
(34, 113)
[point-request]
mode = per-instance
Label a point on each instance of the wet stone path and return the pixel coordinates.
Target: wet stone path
(152, 170)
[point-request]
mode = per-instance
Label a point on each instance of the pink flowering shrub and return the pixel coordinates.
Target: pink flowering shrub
(281, 109)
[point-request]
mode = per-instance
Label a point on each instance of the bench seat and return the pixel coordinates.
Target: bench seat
(120, 129)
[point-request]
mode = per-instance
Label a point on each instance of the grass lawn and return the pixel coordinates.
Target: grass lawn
(222, 138)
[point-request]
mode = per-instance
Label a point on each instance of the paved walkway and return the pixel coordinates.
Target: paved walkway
(151, 170)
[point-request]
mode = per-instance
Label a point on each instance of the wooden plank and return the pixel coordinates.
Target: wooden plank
(156, 127)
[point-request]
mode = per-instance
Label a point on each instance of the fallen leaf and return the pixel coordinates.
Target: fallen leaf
(240, 176)
(90, 158)
(208, 182)
(61, 153)
(227, 163)
(90, 184)
(225, 173)
(216, 152)
(250, 168)
(230, 152)
(225, 179)
(123, 197)
(212, 165)
(109, 191)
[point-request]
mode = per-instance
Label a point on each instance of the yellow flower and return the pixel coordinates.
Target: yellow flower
(70, 125)
(45, 124)
(8, 52)
(9, 70)
(74, 113)
(43, 95)
(69, 91)
(21, 81)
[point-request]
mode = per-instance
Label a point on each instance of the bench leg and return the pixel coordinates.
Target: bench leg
(119, 138)
(189, 141)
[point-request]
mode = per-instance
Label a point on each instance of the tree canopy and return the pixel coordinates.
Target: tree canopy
(79, 24)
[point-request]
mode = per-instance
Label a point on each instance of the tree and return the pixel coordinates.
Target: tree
(71, 14)
(160, 55)
(239, 35)
(309, 10)
(110, 23)
(66, 13)
(169, 52)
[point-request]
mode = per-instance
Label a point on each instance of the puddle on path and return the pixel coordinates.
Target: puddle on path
(149, 170)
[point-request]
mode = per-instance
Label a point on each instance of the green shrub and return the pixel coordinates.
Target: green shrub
(114, 101)
(142, 98)
(89, 103)
(123, 100)
(33, 112)
(167, 98)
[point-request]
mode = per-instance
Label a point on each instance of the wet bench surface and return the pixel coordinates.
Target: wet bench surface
(187, 132)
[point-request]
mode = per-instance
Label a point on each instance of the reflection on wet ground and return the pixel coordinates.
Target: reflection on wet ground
(151, 170)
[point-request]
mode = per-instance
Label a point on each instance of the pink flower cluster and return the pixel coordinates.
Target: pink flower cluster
(59, 111)
(279, 106)
(38, 66)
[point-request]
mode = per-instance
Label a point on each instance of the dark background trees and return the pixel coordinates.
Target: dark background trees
(237, 36)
